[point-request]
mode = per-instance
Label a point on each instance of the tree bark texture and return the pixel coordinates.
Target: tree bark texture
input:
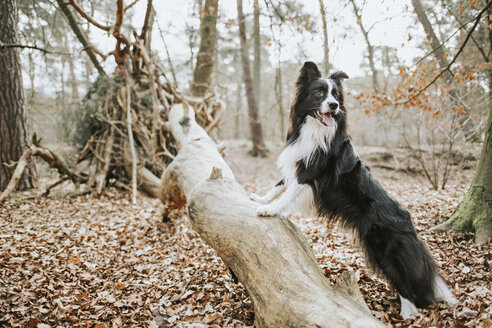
(256, 130)
(13, 115)
(205, 59)
(269, 256)
(326, 59)
(474, 213)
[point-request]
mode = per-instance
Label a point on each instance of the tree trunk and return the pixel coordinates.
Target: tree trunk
(13, 125)
(256, 131)
(474, 213)
(326, 59)
(73, 81)
(487, 60)
(269, 256)
(466, 122)
(205, 60)
(432, 37)
(370, 48)
(239, 110)
(257, 58)
(279, 95)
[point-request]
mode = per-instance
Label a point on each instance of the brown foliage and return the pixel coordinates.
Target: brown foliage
(101, 261)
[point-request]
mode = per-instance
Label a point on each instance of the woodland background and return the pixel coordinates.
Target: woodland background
(418, 100)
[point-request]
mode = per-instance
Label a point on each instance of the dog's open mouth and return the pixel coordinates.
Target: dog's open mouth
(324, 118)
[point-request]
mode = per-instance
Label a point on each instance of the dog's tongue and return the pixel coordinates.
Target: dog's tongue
(327, 119)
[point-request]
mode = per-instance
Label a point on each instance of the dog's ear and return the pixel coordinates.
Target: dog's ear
(309, 72)
(338, 76)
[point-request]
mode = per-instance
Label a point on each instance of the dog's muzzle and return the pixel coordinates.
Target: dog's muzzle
(326, 118)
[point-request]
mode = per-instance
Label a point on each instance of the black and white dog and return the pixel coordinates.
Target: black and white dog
(319, 163)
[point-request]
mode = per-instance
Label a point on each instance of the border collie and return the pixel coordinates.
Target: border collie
(319, 161)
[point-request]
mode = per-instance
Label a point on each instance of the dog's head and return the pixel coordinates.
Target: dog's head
(320, 98)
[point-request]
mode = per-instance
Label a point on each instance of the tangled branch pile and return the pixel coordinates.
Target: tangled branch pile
(122, 124)
(146, 95)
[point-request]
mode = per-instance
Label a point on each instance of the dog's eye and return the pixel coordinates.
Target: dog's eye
(319, 93)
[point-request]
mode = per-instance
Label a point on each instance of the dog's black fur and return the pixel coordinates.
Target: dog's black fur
(345, 190)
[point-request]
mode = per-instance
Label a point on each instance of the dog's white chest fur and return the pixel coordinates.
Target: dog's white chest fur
(313, 135)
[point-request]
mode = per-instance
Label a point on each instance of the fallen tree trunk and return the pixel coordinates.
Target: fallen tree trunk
(269, 256)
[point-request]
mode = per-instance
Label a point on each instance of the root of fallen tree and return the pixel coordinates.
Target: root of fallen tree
(269, 256)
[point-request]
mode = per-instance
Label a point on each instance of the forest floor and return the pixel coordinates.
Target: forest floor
(102, 262)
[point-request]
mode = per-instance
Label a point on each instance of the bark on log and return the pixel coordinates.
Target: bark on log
(269, 256)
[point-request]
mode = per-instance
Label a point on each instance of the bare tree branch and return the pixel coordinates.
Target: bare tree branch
(80, 35)
(130, 5)
(447, 68)
(445, 41)
(269, 3)
(91, 20)
(24, 46)
(171, 67)
(146, 24)
(479, 47)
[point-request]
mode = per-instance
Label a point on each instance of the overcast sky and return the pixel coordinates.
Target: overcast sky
(393, 21)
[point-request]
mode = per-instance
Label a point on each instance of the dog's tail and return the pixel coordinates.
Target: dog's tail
(403, 258)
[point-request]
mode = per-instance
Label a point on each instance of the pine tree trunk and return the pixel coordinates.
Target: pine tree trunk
(474, 213)
(13, 125)
(256, 130)
(205, 60)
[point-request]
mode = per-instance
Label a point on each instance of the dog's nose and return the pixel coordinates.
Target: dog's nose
(333, 105)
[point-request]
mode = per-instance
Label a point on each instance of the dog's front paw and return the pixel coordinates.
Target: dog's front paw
(267, 210)
(257, 198)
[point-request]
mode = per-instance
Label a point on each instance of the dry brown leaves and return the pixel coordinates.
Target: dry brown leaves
(101, 262)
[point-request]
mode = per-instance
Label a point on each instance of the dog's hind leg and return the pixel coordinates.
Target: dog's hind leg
(271, 195)
(407, 308)
(443, 293)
